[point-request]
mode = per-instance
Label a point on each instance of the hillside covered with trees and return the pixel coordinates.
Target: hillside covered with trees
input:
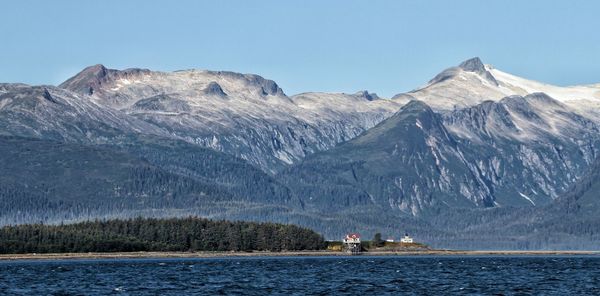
(140, 234)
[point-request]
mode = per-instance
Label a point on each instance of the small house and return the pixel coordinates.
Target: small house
(352, 238)
(407, 239)
(352, 243)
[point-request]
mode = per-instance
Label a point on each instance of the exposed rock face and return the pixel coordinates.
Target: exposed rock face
(472, 65)
(92, 78)
(408, 163)
(214, 88)
(366, 95)
(475, 65)
(267, 87)
(48, 112)
(164, 103)
(528, 149)
(520, 151)
(256, 121)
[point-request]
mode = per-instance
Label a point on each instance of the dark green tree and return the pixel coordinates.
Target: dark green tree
(140, 234)
(377, 241)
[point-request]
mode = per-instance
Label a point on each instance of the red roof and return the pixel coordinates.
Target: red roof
(353, 235)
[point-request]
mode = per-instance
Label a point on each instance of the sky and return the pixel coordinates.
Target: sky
(387, 47)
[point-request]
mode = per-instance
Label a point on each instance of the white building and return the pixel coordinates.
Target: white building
(352, 243)
(352, 238)
(407, 239)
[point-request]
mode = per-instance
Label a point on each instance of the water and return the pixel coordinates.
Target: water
(306, 275)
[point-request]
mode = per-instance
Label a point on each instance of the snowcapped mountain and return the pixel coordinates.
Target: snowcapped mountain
(471, 143)
(495, 141)
(585, 99)
(240, 114)
(252, 118)
(472, 82)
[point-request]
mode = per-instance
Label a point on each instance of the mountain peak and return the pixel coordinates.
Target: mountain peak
(90, 78)
(96, 68)
(416, 106)
(87, 79)
(476, 65)
(366, 95)
(472, 65)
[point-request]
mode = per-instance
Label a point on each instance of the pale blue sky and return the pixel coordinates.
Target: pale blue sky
(341, 46)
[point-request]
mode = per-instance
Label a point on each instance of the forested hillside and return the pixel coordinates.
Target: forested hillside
(74, 180)
(53, 181)
(188, 234)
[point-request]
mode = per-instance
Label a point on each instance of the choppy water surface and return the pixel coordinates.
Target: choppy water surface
(307, 275)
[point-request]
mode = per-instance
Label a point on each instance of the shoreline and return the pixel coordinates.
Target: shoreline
(193, 255)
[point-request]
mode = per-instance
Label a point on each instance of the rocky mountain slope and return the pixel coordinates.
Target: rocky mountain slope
(519, 151)
(407, 163)
(570, 222)
(49, 112)
(240, 114)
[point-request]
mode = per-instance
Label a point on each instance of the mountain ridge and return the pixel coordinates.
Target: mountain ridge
(252, 117)
(472, 82)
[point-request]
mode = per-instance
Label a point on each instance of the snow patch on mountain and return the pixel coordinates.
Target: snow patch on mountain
(527, 198)
(473, 82)
(520, 85)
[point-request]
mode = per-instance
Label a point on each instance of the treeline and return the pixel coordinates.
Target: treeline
(141, 234)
